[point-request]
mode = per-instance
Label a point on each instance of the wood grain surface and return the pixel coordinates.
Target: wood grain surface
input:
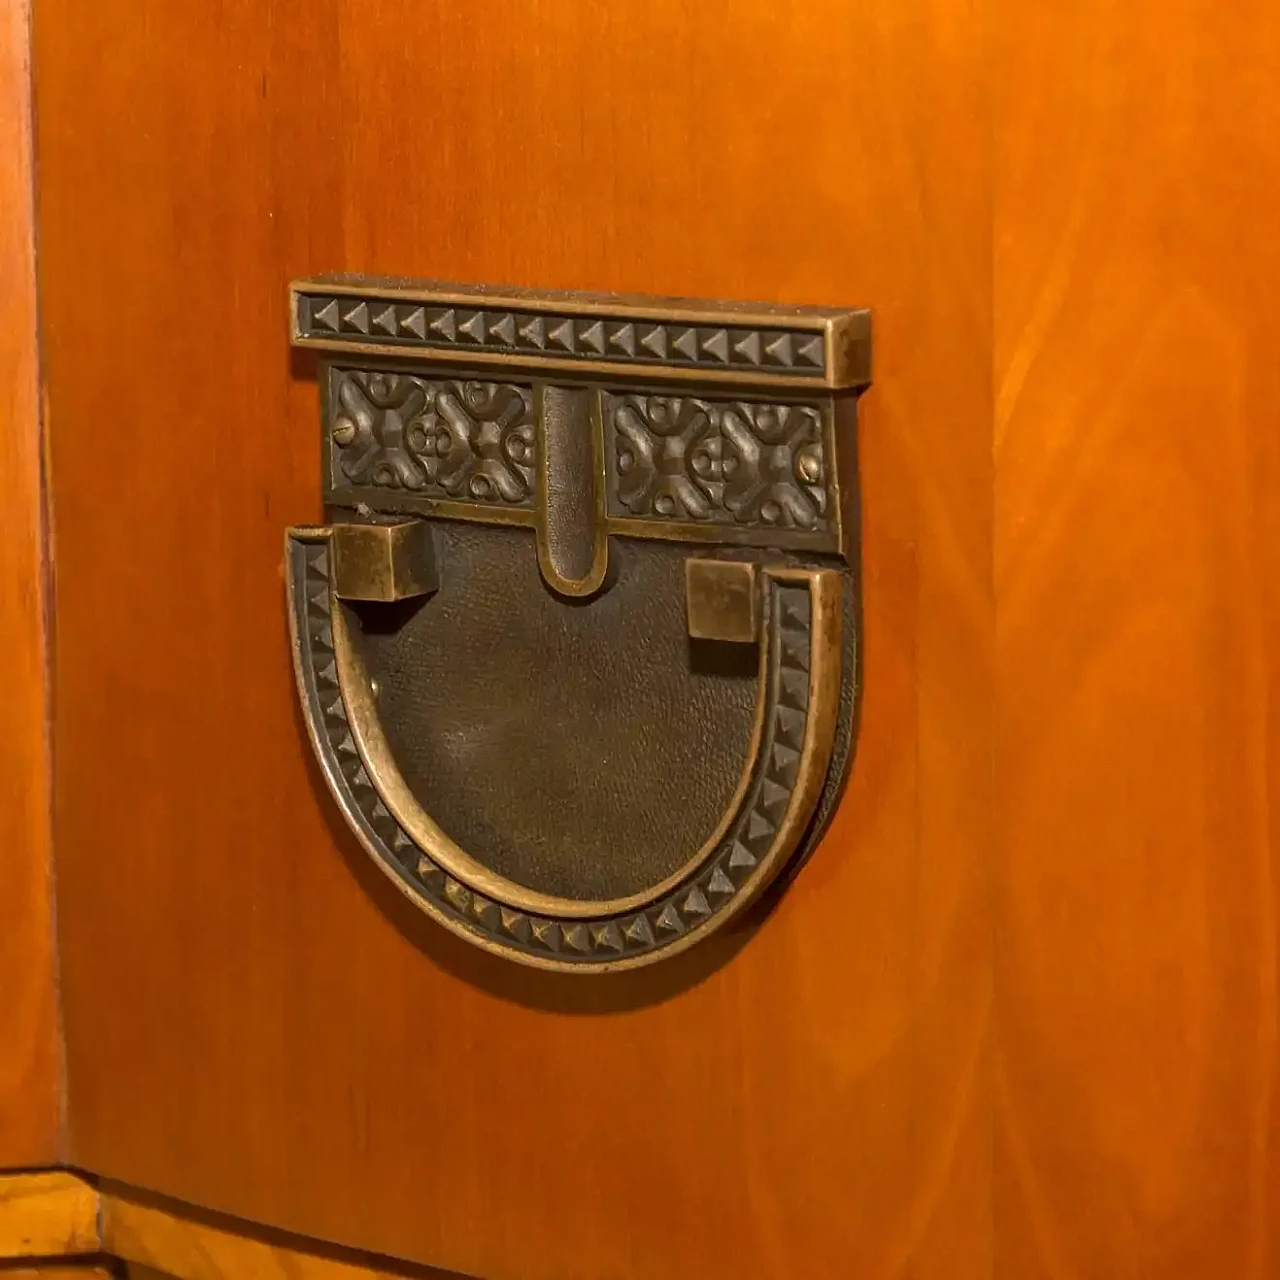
(255, 1022)
(29, 1063)
(1137, 171)
(47, 1215)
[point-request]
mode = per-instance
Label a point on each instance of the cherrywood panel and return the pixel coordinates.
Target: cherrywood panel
(29, 1115)
(255, 1022)
(1138, 556)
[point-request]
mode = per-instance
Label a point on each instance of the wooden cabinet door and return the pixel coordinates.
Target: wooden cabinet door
(1017, 1014)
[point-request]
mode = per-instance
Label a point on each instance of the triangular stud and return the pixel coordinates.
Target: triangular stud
(669, 921)
(323, 636)
(385, 321)
(546, 933)
(795, 689)
(430, 875)
(471, 326)
(784, 762)
(809, 351)
(459, 896)
(638, 931)
(413, 320)
(515, 924)
(742, 857)
(606, 937)
(795, 648)
(326, 317)
(758, 828)
(502, 328)
(747, 347)
(357, 318)
(720, 885)
(575, 936)
(347, 746)
(654, 341)
(533, 332)
(561, 336)
(773, 799)
(795, 610)
(622, 337)
(715, 343)
(791, 726)
(686, 343)
(696, 903)
(591, 336)
(778, 350)
(321, 563)
(444, 324)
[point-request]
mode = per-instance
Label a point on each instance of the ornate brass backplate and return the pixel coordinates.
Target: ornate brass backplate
(577, 649)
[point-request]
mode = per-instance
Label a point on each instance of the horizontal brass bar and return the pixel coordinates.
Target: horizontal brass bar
(723, 343)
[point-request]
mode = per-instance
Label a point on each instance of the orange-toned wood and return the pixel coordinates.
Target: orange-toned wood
(47, 1215)
(59, 1271)
(160, 1238)
(1137, 174)
(29, 1115)
(61, 1224)
(255, 1023)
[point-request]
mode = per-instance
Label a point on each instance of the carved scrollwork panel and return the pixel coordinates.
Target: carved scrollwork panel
(729, 462)
(461, 439)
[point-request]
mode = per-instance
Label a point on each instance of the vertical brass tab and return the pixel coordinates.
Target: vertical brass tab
(573, 547)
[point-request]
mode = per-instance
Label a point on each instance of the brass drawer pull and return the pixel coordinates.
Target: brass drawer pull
(576, 649)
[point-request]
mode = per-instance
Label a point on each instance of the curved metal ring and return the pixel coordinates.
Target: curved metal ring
(798, 707)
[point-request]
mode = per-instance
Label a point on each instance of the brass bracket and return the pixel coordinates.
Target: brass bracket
(576, 650)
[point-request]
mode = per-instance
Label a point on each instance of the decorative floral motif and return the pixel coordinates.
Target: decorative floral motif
(682, 458)
(471, 441)
(663, 443)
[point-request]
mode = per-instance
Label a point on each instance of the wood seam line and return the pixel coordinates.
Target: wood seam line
(58, 1216)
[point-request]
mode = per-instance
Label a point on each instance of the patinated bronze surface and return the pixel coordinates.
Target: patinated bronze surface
(577, 649)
